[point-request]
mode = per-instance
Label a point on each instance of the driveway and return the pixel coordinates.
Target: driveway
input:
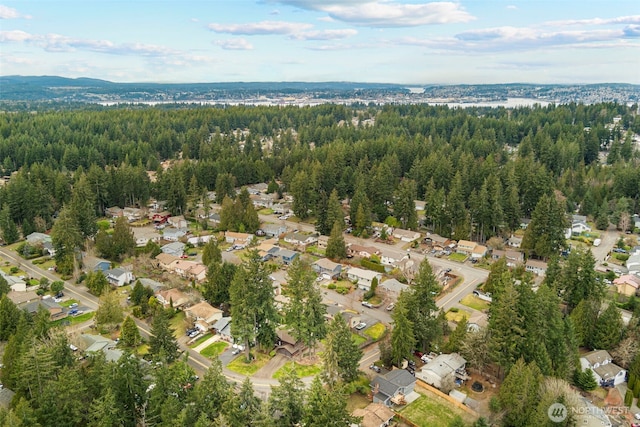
(272, 366)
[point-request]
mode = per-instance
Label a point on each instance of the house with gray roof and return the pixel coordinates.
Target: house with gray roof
(443, 367)
(326, 267)
(391, 388)
(173, 234)
(175, 248)
(97, 343)
(607, 373)
(118, 276)
(223, 328)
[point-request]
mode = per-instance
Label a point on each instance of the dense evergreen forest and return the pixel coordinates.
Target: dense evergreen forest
(479, 169)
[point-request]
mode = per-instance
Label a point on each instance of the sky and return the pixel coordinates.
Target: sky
(410, 42)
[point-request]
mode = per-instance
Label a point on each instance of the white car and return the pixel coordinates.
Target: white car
(360, 326)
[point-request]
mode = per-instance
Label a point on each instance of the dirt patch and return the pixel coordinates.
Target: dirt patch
(490, 389)
(613, 398)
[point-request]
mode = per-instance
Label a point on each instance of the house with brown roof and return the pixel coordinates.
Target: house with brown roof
(406, 235)
(627, 284)
(56, 311)
(436, 241)
(19, 298)
(539, 268)
(241, 239)
(374, 415)
(172, 296)
(466, 247)
(287, 344)
(164, 260)
(479, 252)
(513, 257)
(204, 315)
(177, 221)
(301, 240)
(362, 251)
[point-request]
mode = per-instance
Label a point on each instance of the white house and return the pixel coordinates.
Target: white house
(118, 276)
(363, 277)
(406, 235)
(443, 368)
(607, 373)
(200, 240)
(392, 258)
(539, 268)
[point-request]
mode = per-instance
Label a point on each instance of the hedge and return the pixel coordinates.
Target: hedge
(372, 266)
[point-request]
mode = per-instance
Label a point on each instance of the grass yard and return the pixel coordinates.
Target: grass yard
(81, 318)
(358, 339)
(238, 364)
(457, 257)
(375, 300)
(200, 340)
(213, 350)
(68, 302)
(434, 411)
(301, 370)
(474, 302)
(457, 316)
(265, 211)
(177, 322)
(376, 331)
(356, 401)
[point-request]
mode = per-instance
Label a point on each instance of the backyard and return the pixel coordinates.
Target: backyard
(457, 257)
(433, 411)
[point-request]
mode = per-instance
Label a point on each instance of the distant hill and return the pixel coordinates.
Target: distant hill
(88, 90)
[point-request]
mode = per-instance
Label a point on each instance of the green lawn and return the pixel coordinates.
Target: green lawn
(200, 340)
(301, 370)
(433, 411)
(68, 302)
(142, 349)
(457, 317)
(376, 331)
(177, 322)
(213, 350)
(265, 211)
(238, 364)
(474, 302)
(358, 339)
(457, 257)
(375, 300)
(72, 320)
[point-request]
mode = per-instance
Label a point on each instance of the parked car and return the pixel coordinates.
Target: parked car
(360, 326)
(391, 307)
(235, 351)
(74, 305)
(367, 304)
(375, 368)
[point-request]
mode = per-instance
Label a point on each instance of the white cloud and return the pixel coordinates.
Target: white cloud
(324, 35)
(15, 36)
(234, 44)
(630, 19)
(260, 28)
(597, 33)
(512, 7)
(381, 13)
(11, 13)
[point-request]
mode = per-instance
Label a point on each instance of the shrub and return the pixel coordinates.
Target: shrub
(372, 265)
(628, 398)
(331, 286)
(454, 309)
